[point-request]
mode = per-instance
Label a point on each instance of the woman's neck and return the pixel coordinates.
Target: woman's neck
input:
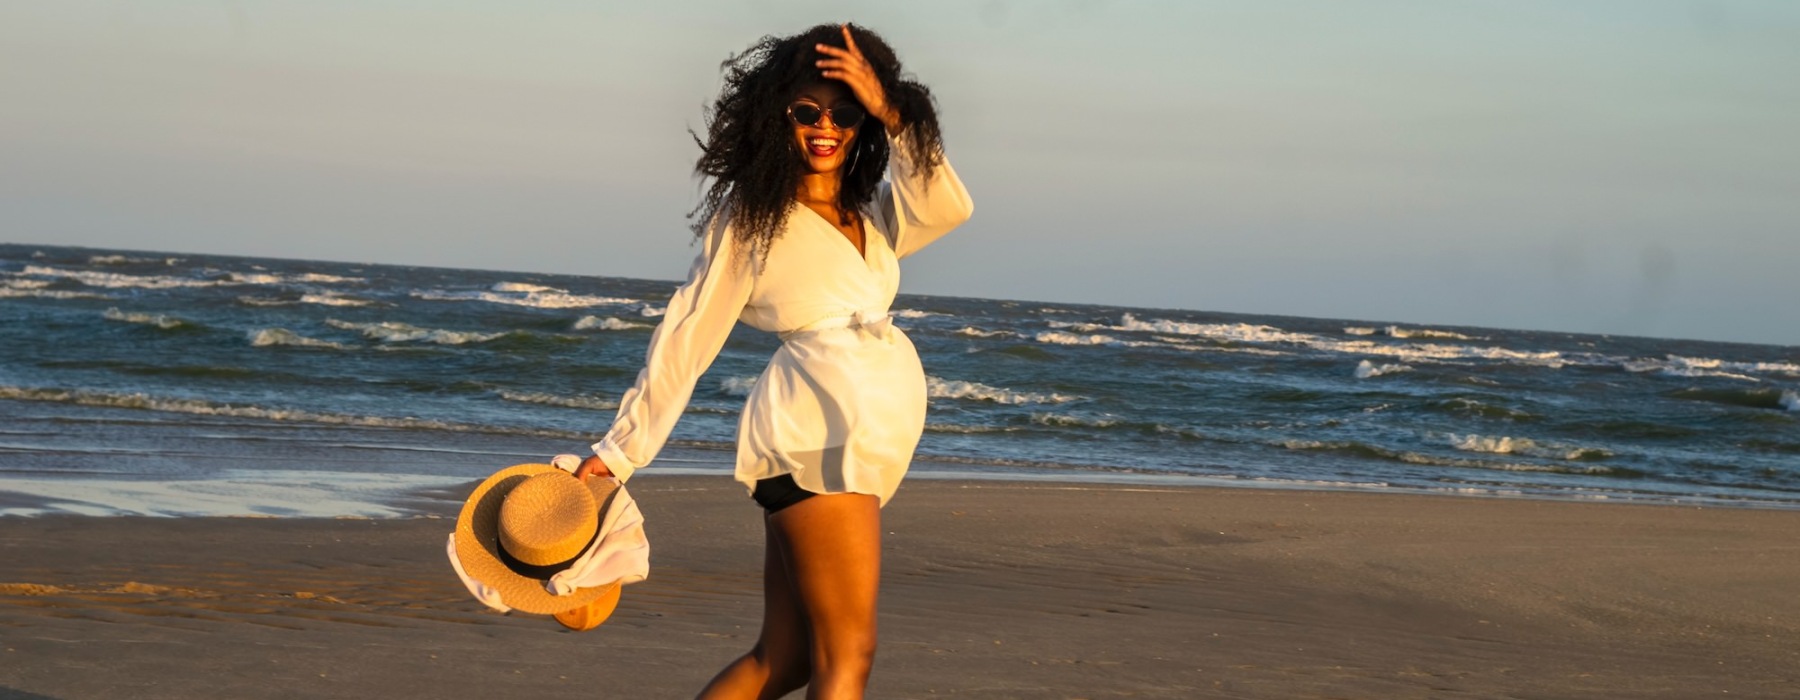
(820, 188)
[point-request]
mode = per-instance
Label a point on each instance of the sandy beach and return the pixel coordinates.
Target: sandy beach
(991, 590)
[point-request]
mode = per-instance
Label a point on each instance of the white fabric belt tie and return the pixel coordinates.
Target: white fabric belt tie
(876, 322)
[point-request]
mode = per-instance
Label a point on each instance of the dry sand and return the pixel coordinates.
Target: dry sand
(992, 590)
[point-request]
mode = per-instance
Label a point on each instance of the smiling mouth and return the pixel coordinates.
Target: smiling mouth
(822, 147)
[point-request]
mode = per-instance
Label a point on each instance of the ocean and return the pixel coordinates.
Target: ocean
(183, 384)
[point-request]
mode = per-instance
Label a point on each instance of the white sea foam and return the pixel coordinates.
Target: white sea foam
(525, 287)
(119, 280)
(971, 391)
(396, 332)
(648, 311)
(592, 323)
(28, 293)
(974, 332)
(1061, 338)
(1359, 330)
(1708, 363)
(126, 260)
(1475, 445)
(1790, 400)
(967, 429)
(911, 313)
(1367, 369)
(208, 408)
(565, 401)
(737, 386)
(264, 337)
(115, 280)
(322, 278)
(539, 300)
(1260, 334)
(1060, 420)
(253, 278)
(26, 284)
(1398, 332)
(264, 301)
(332, 299)
(1678, 366)
(1232, 332)
(233, 493)
(1501, 444)
(162, 321)
(1080, 327)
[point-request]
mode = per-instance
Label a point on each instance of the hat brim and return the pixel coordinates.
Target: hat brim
(478, 544)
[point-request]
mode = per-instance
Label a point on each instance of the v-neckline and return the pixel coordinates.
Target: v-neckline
(861, 223)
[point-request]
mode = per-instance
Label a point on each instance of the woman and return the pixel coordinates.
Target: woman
(802, 237)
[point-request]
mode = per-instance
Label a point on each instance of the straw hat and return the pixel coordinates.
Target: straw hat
(526, 523)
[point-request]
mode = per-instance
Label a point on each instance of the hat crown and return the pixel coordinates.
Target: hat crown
(548, 518)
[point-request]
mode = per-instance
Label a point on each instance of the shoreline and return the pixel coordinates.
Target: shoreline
(280, 493)
(990, 589)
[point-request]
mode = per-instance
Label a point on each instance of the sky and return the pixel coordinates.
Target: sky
(1627, 167)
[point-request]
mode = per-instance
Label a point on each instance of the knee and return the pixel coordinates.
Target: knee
(847, 652)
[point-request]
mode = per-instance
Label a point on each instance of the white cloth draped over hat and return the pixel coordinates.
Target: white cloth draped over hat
(621, 553)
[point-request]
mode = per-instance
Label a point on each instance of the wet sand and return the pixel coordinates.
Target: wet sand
(991, 590)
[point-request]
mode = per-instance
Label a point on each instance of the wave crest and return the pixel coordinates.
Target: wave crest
(1367, 369)
(590, 323)
(162, 321)
(396, 332)
(951, 389)
(265, 337)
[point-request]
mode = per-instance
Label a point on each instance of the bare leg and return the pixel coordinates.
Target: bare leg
(833, 548)
(780, 663)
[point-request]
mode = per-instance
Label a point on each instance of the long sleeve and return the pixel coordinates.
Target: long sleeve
(700, 317)
(921, 210)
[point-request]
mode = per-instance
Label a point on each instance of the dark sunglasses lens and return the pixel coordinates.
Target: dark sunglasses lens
(805, 114)
(847, 116)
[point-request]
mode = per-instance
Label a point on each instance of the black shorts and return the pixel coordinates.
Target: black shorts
(776, 493)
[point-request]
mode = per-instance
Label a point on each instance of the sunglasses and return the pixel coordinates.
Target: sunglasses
(844, 116)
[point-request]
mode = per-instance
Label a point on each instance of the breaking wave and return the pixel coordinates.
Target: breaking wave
(162, 321)
(569, 401)
(126, 260)
(332, 299)
(525, 288)
(974, 332)
(591, 323)
(1367, 369)
(1678, 366)
(1525, 446)
(536, 300)
(950, 389)
(1063, 420)
(1367, 451)
(395, 332)
(1061, 338)
(212, 408)
(265, 337)
(1398, 332)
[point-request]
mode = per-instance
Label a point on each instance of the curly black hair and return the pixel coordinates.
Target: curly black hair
(749, 152)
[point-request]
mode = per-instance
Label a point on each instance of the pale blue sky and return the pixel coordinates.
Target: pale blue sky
(1617, 167)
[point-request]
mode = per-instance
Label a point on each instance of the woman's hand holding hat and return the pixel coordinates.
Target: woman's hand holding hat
(592, 466)
(581, 468)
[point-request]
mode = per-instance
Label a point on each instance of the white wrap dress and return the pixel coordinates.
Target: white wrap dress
(841, 404)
